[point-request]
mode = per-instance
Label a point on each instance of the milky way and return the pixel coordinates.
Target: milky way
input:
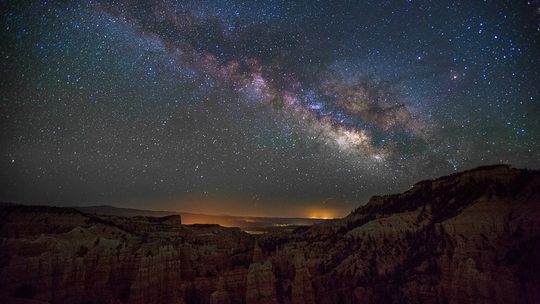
(279, 105)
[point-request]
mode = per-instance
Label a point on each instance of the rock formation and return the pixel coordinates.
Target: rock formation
(220, 296)
(302, 289)
(471, 237)
(261, 282)
(59, 255)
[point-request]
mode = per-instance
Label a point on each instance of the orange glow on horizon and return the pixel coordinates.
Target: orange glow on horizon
(321, 214)
(205, 209)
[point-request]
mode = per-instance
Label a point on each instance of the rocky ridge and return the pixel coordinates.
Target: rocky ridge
(471, 237)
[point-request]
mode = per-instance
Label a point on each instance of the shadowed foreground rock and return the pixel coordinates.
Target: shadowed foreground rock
(472, 237)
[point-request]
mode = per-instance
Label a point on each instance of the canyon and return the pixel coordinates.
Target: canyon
(470, 237)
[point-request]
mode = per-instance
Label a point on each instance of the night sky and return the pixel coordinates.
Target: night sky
(260, 107)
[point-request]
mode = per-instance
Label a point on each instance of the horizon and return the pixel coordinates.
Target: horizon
(324, 215)
(308, 214)
(267, 108)
(269, 152)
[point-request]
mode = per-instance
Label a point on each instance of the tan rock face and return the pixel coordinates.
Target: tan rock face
(220, 296)
(260, 286)
(80, 258)
(472, 237)
(465, 238)
(302, 288)
(261, 281)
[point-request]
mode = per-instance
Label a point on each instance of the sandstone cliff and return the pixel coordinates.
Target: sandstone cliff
(471, 237)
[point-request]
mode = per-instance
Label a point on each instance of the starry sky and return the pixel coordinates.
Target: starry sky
(273, 108)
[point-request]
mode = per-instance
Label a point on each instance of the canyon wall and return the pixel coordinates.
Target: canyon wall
(472, 237)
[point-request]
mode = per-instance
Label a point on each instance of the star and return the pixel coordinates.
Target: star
(287, 102)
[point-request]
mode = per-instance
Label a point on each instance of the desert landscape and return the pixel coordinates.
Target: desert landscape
(472, 237)
(269, 152)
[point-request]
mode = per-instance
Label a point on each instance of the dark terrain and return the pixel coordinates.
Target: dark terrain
(471, 237)
(247, 223)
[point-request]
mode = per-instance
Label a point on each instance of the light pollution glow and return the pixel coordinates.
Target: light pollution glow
(241, 206)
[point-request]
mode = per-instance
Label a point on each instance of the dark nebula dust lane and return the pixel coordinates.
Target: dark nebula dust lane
(264, 107)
